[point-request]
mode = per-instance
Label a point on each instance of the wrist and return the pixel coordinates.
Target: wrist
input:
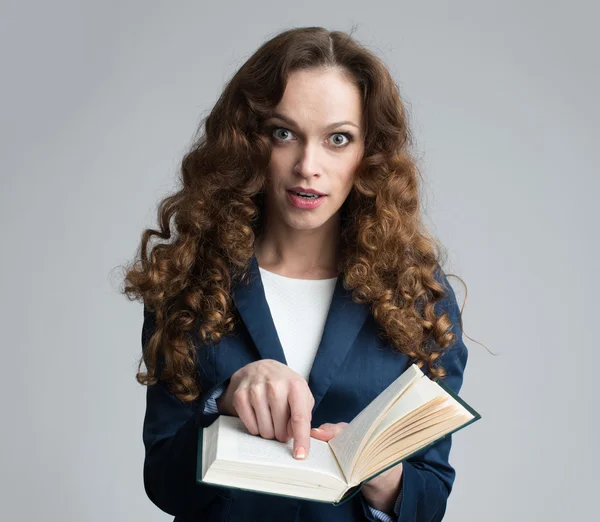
(382, 492)
(381, 500)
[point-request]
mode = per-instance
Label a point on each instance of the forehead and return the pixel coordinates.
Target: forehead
(320, 96)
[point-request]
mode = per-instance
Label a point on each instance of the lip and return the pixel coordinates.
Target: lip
(306, 191)
(303, 203)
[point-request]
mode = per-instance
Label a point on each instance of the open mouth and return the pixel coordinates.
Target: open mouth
(304, 200)
(306, 196)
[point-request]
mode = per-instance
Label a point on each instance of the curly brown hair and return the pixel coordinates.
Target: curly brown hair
(387, 257)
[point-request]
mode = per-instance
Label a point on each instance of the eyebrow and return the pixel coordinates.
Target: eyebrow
(290, 121)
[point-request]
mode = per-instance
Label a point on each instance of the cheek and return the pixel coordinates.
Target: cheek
(277, 168)
(346, 178)
(280, 157)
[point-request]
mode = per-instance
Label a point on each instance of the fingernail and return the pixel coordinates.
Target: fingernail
(316, 429)
(299, 453)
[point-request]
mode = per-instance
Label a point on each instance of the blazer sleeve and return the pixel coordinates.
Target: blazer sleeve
(170, 436)
(427, 477)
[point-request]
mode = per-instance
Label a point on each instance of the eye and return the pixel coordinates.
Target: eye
(341, 144)
(282, 135)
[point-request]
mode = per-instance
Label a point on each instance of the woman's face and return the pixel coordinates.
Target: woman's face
(317, 137)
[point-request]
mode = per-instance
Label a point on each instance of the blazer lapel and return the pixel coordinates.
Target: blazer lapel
(344, 320)
(250, 300)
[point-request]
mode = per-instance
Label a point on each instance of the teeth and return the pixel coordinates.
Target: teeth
(304, 194)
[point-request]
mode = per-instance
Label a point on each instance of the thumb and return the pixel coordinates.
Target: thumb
(327, 431)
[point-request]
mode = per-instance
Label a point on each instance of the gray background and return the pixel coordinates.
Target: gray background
(100, 100)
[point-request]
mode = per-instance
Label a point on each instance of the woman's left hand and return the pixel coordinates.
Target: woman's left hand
(381, 491)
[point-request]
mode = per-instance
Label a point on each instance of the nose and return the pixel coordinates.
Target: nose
(308, 164)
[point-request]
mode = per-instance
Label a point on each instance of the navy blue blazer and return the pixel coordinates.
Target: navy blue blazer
(352, 366)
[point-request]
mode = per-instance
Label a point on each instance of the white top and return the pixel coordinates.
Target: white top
(299, 308)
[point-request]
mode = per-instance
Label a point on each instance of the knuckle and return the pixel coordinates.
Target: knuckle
(254, 392)
(273, 389)
(239, 398)
(298, 384)
(298, 416)
(300, 389)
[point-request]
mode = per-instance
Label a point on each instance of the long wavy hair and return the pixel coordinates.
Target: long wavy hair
(208, 227)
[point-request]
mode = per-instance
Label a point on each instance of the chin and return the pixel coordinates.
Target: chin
(305, 224)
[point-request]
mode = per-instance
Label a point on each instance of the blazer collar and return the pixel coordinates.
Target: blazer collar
(344, 320)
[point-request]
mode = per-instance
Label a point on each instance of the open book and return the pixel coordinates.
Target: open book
(411, 413)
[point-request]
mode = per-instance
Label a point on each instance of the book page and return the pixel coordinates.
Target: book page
(406, 447)
(427, 415)
(209, 449)
(237, 444)
(348, 445)
(417, 395)
(395, 442)
(415, 426)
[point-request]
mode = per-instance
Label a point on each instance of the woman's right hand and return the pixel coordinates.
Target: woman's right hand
(272, 401)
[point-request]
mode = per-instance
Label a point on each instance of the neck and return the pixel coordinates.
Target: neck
(307, 254)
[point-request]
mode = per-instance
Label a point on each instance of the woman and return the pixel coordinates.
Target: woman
(299, 282)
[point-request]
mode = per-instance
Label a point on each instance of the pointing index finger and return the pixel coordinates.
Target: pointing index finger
(300, 415)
